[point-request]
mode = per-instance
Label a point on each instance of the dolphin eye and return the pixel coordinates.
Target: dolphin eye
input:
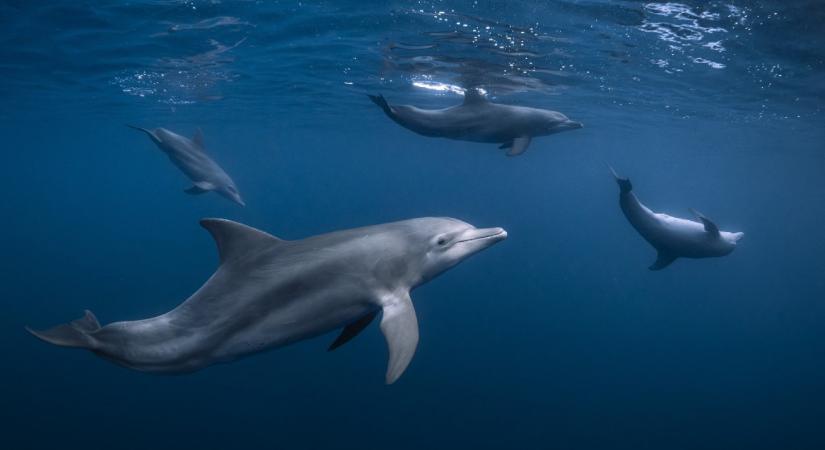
(442, 241)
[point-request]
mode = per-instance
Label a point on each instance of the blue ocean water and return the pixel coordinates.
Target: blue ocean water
(558, 337)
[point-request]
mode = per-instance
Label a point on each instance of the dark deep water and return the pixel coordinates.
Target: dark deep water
(558, 337)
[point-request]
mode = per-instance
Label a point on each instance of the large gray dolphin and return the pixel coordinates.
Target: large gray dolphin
(479, 120)
(673, 237)
(191, 158)
(267, 293)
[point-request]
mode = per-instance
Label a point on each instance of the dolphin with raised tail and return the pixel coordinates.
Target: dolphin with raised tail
(673, 237)
(268, 292)
(480, 120)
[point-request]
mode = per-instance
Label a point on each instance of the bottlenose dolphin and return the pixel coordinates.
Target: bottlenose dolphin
(479, 120)
(268, 292)
(191, 158)
(673, 237)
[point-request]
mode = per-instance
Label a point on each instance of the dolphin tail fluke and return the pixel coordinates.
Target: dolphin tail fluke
(624, 183)
(149, 132)
(381, 102)
(76, 333)
(139, 129)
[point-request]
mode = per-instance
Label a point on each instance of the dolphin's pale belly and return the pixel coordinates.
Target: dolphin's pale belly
(681, 237)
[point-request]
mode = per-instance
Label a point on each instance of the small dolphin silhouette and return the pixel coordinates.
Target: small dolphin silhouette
(191, 158)
(673, 237)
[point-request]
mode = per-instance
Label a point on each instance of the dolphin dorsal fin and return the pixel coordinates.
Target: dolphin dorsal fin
(236, 239)
(472, 96)
(710, 226)
(198, 138)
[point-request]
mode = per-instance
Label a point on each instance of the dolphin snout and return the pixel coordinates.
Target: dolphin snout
(575, 125)
(488, 234)
(232, 194)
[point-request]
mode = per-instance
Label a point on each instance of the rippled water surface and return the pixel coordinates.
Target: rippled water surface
(735, 61)
(558, 337)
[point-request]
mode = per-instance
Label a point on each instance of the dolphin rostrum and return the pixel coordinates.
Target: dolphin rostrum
(673, 237)
(191, 158)
(268, 292)
(479, 120)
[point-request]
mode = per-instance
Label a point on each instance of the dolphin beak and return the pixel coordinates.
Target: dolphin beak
(575, 125)
(475, 240)
(486, 236)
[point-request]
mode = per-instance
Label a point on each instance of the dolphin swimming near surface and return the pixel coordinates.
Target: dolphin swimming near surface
(191, 158)
(479, 120)
(673, 237)
(268, 292)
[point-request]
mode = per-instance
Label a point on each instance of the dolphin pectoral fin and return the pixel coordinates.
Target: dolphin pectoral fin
(235, 239)
(663, 259)
(200, 187)
(710, 227)
(194, 190)
(352, 330)
(519, 145)
(400, 328)
(198, 138)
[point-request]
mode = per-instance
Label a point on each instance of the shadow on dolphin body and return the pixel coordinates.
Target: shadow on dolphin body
(189, 155)
(268, 293)
(479, 120)
(673, 237)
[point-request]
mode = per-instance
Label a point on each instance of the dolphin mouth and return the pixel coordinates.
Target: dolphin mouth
(494, 233)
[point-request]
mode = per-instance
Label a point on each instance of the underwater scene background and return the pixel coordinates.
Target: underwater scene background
(559, 337)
